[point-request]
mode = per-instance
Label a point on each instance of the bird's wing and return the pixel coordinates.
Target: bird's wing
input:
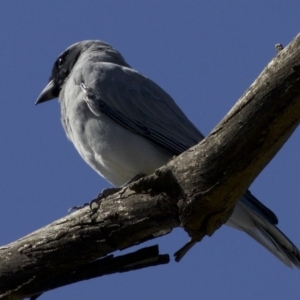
(138, 104)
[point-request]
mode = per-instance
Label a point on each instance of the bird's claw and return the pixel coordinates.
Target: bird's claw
(95, 203)
(77, 207)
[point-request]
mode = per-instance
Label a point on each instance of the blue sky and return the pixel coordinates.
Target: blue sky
(204, 54)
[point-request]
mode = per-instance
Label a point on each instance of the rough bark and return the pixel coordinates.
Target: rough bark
(196, 190)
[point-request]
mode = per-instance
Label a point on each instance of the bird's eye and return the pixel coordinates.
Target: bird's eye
(61, 60)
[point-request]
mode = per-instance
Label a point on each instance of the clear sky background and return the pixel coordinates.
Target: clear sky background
(205, 54)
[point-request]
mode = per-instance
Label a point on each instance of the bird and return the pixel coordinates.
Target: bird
(123, 124)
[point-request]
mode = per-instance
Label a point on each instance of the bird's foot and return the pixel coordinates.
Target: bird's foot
(78, 207)
(135, 178)
(95, 203)
(105, 193)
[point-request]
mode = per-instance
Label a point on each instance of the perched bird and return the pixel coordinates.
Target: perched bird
(123, 124)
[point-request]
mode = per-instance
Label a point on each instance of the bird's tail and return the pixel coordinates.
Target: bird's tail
(252, 217)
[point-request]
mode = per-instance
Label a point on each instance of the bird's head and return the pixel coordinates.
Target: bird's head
(91, 49)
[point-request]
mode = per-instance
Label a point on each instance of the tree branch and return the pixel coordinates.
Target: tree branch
(196, 190)
(143, 258)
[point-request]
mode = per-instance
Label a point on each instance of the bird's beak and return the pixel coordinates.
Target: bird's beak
(48, 93)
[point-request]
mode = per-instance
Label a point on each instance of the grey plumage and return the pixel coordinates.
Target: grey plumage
(123, 124)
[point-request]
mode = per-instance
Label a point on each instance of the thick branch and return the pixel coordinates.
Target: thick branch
(197, 190)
